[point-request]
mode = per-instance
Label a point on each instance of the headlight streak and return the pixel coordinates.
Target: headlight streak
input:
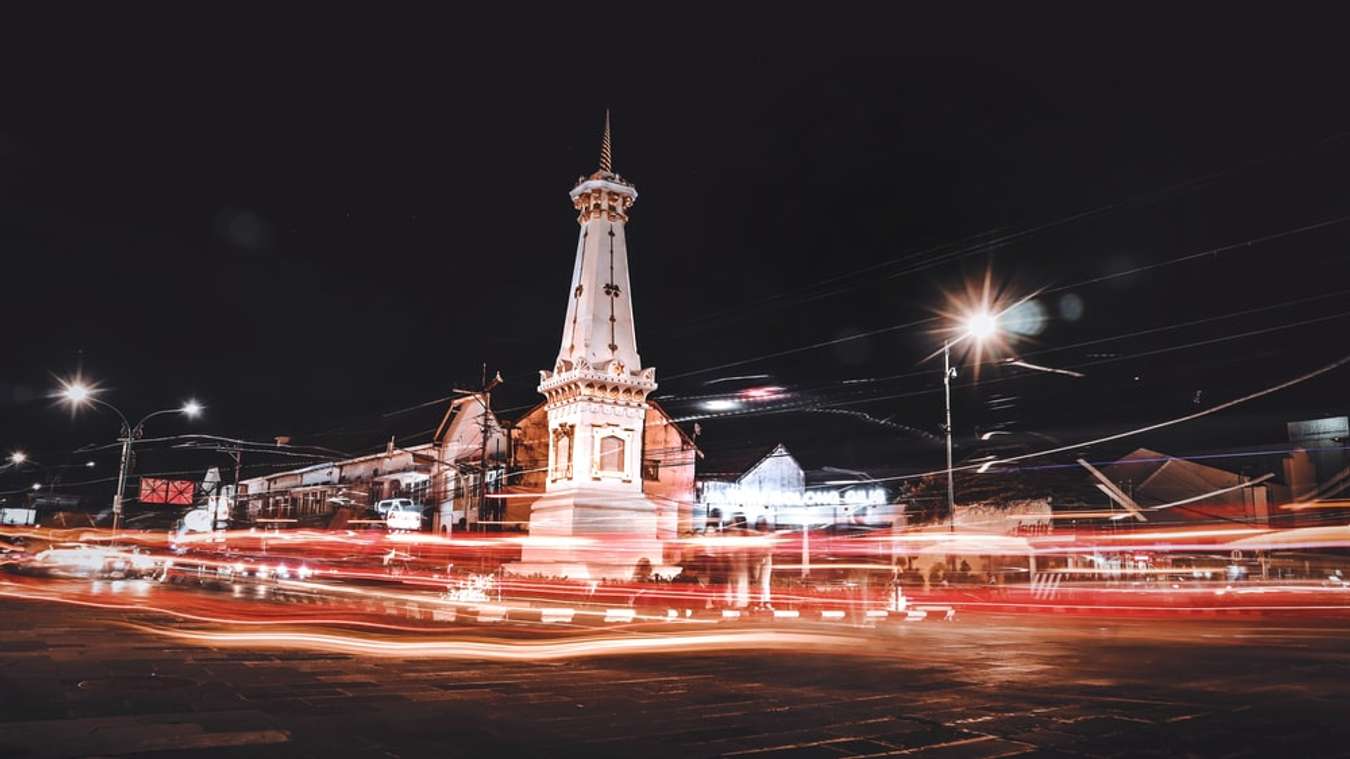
(628, 642)
(179, 613)
(694, 642)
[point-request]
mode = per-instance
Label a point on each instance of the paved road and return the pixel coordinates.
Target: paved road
(75, 683)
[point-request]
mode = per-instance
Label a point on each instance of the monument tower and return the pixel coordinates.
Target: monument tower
(593, 520)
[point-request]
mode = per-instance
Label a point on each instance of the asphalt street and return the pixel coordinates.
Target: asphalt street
(76, 682)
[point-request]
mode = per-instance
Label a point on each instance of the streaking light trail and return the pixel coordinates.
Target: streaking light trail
(609, 645)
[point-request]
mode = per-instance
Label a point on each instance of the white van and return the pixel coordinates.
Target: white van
(394, 504)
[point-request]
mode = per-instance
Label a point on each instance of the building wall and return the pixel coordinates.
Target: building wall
(306, 494)
(668, 463)
(776, 473)
(1324, 440)
(529, 451)
(757, 496)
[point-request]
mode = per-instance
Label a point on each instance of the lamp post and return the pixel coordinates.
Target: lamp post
(78, 394)
(978, 326)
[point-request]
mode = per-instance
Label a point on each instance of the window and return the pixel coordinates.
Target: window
(611, 453)
(419, 491)
(651, 470)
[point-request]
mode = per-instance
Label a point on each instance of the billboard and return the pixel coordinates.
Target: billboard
(172, 492)
(20, 517)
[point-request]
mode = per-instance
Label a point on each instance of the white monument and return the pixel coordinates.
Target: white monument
(593, 521)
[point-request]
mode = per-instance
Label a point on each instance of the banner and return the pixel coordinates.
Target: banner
(172, 492)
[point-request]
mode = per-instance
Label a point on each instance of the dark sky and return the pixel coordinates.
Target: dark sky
(306, 223)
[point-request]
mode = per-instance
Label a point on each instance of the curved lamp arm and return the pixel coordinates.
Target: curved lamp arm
(152, 414)
(126, 425)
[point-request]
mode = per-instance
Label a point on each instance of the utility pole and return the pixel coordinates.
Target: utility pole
(947, 427)
(238, 457)
(482, 462)
(127, 433)
(485, 398)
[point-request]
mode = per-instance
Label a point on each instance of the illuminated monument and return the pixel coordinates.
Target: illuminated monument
(593, 520)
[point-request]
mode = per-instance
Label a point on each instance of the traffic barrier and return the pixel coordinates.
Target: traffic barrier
(556, 615)
(623, 615)
(489, 613)
(944, 613)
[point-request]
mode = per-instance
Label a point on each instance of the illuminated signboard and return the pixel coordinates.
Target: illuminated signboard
(172, 492)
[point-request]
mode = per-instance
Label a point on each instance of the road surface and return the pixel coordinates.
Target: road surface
(77, 682)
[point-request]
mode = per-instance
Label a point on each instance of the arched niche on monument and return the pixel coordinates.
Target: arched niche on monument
(562, 452)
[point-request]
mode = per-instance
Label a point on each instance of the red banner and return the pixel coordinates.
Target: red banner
(173, 492)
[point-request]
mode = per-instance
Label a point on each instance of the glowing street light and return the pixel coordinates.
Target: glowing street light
(37, 486)
(17, 457)
(78, 394)
(981, 325)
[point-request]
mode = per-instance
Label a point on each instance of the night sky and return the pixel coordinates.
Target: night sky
(313, 225)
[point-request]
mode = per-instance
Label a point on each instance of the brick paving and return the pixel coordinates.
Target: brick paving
(74, 682)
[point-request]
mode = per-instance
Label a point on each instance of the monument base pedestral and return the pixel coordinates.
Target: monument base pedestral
(593, 534)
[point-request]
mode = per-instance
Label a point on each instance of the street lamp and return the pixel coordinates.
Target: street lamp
(78, 394)
(17, 457)
(977, 326)
(981, 325)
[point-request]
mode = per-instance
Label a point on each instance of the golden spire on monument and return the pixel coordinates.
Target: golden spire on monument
(606, 149)
(606, 170)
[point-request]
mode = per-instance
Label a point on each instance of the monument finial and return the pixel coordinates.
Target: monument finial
(606, 150)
